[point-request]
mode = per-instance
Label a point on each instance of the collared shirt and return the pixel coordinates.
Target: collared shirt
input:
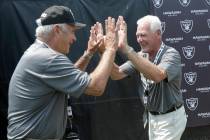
(38, 93)
(164, 95)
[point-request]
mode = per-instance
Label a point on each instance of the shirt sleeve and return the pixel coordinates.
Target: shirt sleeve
(171, 62)
(61, 75)
(128, 68)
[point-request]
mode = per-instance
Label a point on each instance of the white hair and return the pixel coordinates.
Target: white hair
(46, 30)
(154, 22)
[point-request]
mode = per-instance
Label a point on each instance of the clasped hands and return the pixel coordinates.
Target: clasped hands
(115, 36)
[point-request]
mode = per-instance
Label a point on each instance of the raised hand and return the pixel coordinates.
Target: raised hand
(96, 38)
(121, 28)
(100, 37)
(110, 40)
(99, 33)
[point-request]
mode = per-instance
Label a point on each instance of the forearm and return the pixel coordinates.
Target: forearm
(150, 70)
(100, 75)
(83, 61)
(116, 73)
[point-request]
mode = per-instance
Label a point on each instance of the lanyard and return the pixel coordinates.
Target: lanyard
(157, 57)
(147, 82)
(159, 53)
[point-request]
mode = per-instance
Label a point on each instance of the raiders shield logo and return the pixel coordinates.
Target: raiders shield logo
(186, 25)
(184, 3)
(208, 22)
(208, 2)
(188, 51)
(163, 26)
(157, 3)
(190, 77)
(192, 103)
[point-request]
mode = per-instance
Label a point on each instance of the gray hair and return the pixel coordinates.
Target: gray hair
(154, 22)
(46, 30)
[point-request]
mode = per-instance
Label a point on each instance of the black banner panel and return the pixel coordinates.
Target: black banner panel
(186, 27)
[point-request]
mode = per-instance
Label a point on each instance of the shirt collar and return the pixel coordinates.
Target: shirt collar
(43, 43)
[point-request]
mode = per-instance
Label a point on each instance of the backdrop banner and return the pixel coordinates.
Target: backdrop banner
(186, 27)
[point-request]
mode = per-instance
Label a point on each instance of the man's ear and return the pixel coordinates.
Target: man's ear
(56, 29)
(159, 32)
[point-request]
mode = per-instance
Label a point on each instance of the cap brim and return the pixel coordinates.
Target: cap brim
(79, 25)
